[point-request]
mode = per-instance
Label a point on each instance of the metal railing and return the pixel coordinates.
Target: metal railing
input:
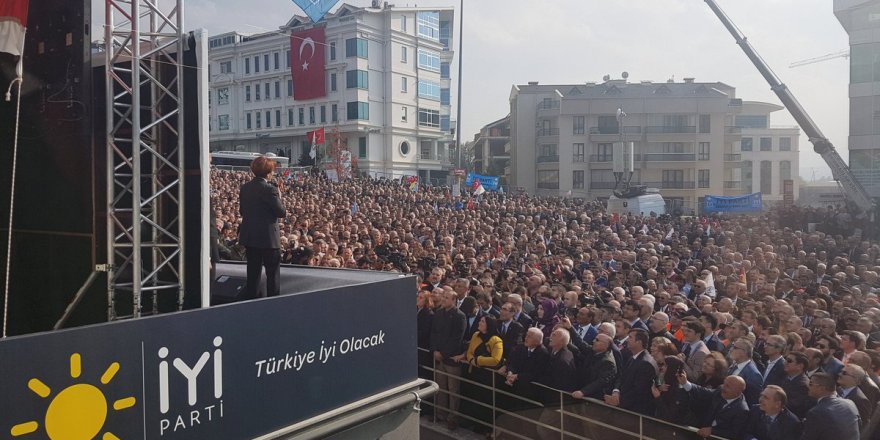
(733, 184)
(544, 159)
(671, 129)
(670, 184)
(547, 105)
(734, 130)
(733, 157)
(548, 132)
(603, 185)
(481, 397)
(630, 129)
(551, 185)
(670, 157)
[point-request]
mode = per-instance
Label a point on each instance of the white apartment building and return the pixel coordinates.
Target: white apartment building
(388, 87)
(686, 143)
(770, 153)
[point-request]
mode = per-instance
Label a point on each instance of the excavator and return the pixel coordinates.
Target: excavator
(859, 202)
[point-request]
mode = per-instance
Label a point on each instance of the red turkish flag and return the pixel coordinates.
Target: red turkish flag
(307, 64)
(13, 20)
(316, 137)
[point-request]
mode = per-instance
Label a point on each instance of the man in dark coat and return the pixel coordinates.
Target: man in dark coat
(796, 384)
(633, 389)
(260, 207)
(729, 411)
(832, 417)
(599, 371)
(848, 383)
(447, 330)
(771, 420)
(512, 332)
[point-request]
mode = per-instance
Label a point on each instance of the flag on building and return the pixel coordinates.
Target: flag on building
(13, 21)
(307, 64)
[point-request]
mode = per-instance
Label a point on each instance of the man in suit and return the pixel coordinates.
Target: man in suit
(771, 420)
(559, 374)
(832, 417)
(633, 389)
(522, 318)
(260, 208)
(631, 311)
(525, 365)
(510, 330)
(695, 350)
(743, 366)
(796, 384)
(472, 318)
(828, 345)
(599, 369)
(710, 337)
(657, 328)
(848, 383)
(729, 414)
(447, 331)
(585, 328)
(774, 372)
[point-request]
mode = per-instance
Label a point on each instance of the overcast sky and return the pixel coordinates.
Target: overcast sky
(510, 42)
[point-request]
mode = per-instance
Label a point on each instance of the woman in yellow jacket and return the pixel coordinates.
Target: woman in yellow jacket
(484, 355)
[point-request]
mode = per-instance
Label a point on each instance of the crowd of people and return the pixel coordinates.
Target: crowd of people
(738, 326)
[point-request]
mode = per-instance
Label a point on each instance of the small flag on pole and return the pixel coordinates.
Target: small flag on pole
(13, 23)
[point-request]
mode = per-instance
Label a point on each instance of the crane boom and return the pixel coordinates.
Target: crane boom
(854, 190)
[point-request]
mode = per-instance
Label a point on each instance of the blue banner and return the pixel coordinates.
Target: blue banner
(738, 204)
(490, 183)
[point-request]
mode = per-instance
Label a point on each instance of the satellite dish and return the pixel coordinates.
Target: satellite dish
(606, 78)
(625, 75)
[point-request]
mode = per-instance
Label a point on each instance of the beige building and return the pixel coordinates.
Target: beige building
(491, 148)
(686, 142)
(770, 153)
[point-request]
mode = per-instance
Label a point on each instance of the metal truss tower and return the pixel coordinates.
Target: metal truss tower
(144, 93)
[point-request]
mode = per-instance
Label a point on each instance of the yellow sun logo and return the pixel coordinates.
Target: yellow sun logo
(79, 411)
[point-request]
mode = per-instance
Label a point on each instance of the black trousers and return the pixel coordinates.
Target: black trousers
(257, 259)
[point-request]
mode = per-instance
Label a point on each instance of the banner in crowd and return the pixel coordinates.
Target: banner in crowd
(307, 64)
(734, 204)
(488, 182)
(229, 372)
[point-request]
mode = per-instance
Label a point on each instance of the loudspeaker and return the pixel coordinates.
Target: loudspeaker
(227, 288)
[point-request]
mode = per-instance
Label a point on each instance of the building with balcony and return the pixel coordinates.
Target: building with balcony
(490, 146)
(769, 154)
(861, 20)
(387, 90)
(686, 143)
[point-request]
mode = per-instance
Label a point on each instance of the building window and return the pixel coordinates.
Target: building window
(784, 174)
(287, 59)
(290, 87)
(766, 176)
(247, 66)
(751, 121)
(578, 123)
(334, 113)
(673, 179)
(548, 179)
(276, 60)
(429, 118)
(257, 64)
(607, 124)
(247, 121)
(404, 113)
(703, 178)
(705, 124)
(404, 148)
(444, 123)
(577, 179)
(266, 88)
(403, 54)
(580, 152)
(302, 116)
(290, 117)
(703, 152)
(785, 144)
(332, 82)
(266, 62)
(357, 79)
(429, 60)
(259, 123)
(247, 93)
(747, 176)
(277, 89)
(323, 114)
(312, 115)
(356, 47)
(257, 90)
(428, 25)
(444, 96)
(864, 62)
(445, 34)
(223, 121)
(403, 84)
(429, 90)
(332, 51)
(548, 151)
(403, 23)
(444, 70)
(427, 148)
(358, 110)
(766, 144)
(746, 144)
(277, 118)
(362, 147)
(268, 119)
(226, 67)
(605, 152)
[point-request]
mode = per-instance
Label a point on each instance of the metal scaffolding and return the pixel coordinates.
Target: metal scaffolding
(144, 93)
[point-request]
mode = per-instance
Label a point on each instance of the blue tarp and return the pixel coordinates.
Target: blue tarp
(490, 183)
(741, 204)
(315, 9)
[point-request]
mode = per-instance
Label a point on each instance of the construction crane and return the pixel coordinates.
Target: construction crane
(826, 57)
(854, 191)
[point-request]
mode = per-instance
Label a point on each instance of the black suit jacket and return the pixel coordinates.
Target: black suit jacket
(527, 366)
(832, 418)
(260, 208)
(726, 420)
(785, 426)
(797, 391)
(634, 384)
(863, 405)
(776, 375)
(525, 320)
(597, 374)
(512, 337)
(447, 329)
(560, 374)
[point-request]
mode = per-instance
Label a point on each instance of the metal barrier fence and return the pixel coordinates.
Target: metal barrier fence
(532, 410)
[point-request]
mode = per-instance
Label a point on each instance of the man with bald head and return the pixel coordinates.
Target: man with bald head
(728, 414)
(598, 370)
